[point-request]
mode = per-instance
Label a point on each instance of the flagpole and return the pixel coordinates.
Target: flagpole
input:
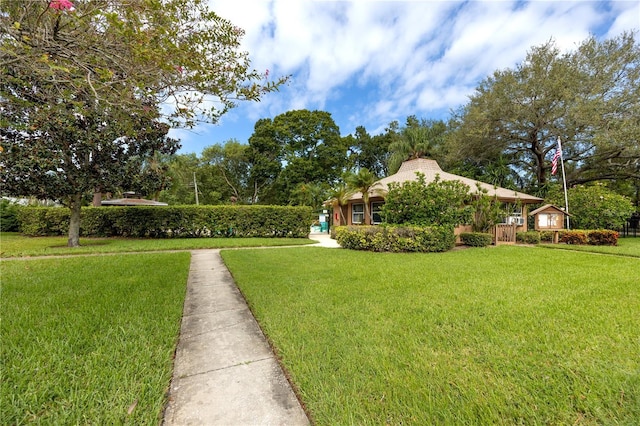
(564, 182)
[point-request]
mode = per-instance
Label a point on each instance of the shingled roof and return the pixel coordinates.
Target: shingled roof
(430, 168)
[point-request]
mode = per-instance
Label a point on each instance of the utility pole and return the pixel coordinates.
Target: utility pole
(195, 186)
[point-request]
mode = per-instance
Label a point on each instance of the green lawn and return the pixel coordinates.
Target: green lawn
(626, 247)
(89, 340)
(501, 335)
(13, 244)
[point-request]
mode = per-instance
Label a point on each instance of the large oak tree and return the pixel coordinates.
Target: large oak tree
(589, 98)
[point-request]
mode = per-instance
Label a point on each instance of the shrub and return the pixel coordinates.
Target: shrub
(547, 236)
(441, 203)
(531, 237)
(173, 221)
(476, 239)
(396, 238)
(574, 237)
(9, 216)
(602, 237)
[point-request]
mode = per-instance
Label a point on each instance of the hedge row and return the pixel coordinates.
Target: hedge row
(396, 238)
(599, 237)
(172, 221)
(476, 239)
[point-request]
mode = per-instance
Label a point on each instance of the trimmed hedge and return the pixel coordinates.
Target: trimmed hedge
(172, 221)
(598, 237)
(531, 237)
(476, 239)
(396, 238)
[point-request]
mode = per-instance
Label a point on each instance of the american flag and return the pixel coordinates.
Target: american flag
(556, 157)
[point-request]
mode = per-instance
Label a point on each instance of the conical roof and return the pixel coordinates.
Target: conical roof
(430, 169)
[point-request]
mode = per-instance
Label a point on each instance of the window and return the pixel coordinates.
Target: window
(376, 212)
(357, 214)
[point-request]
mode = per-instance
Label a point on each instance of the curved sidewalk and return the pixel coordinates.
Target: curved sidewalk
(224, 371)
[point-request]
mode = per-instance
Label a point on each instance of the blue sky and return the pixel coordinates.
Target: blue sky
(371, 62)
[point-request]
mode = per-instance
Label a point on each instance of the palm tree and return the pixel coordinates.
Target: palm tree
(339, 198)
(363, 182)
(418, 140)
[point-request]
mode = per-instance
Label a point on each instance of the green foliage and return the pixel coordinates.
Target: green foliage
(9, 216)
(396, 238)
(296, 147)
(418, 139)
(595, 207)
(488, 211)
(421, 204)
(87, 96)
(532, 237)
(173, 221)
(587, 97)
(476, 239)
(362, 182)
(371, 152)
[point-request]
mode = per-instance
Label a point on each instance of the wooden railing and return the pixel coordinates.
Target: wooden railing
(505, 234)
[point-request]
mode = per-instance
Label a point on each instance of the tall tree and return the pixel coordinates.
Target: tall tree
(370, 152)
(589, 98)
(230, 160)
(109, 61)
(301, 147)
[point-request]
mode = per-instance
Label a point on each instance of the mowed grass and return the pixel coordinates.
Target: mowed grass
(89, 340)
(501, 335)
(14, 244)
(629, 246)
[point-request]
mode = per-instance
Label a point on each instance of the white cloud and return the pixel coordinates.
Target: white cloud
(370, 62)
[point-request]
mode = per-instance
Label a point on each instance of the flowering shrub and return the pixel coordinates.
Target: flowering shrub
(61, 5)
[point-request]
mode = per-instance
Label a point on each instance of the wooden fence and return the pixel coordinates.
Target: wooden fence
(505, 234)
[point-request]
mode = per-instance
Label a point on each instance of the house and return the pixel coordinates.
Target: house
(131, 199)
(354, 210)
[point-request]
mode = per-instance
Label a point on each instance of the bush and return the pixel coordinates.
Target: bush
(531, 237)
(476, 239)
(9, 216)
(172, 221)
(396, 238)
(547, 236)
(417, 203)
(574, 237)
(602, 237)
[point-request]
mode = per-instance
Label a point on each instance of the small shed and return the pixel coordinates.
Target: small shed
(549, 218)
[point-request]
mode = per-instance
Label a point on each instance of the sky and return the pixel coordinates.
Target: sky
(369, 63)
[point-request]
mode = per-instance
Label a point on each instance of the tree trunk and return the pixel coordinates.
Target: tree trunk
(97, 197)
(74, 222)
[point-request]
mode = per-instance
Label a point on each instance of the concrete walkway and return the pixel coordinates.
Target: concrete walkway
(225, 372)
